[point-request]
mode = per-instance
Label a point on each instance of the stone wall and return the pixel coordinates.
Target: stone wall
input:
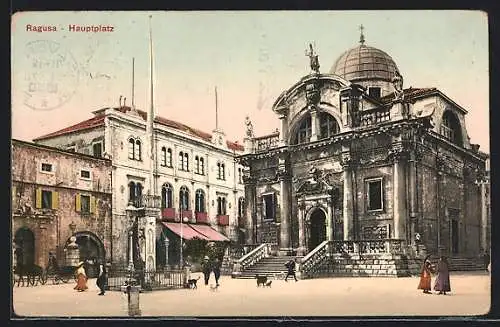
(52, 227)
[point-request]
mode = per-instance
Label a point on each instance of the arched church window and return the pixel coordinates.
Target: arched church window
(304, 131)
(328, 125)
(450, 128)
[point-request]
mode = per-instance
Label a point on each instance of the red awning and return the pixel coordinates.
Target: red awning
(210, 233)
(188, 233)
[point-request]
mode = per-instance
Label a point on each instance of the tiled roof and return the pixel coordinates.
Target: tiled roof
(86, 124)
(99, 121)
(409, 93)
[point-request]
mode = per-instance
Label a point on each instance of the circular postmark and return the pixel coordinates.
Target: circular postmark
(51, 75)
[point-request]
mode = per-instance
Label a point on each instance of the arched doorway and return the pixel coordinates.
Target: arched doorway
(91, 251)
(317, 228)
(24, 241)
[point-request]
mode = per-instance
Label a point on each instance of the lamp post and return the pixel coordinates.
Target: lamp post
(182, 237)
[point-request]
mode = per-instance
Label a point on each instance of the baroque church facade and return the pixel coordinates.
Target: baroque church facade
(360, 158)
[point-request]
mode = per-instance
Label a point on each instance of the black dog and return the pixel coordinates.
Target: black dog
(261, 280)
(268, 284)
(192, 282)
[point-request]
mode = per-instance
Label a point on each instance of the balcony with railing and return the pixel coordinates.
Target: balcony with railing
(146, 201)
(201, 217)
(222, 220)
(267, 142)
(374, 116)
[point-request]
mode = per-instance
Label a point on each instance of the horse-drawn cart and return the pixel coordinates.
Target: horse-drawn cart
(60, 274)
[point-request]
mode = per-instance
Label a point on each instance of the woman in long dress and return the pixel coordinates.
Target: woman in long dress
(81, 276)
(442, 284)
(425, 276)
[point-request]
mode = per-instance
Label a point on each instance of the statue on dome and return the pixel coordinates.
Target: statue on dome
(397, 82)
(313, 57)
(249, 127)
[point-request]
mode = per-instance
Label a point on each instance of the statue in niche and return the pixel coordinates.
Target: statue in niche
(249, 127)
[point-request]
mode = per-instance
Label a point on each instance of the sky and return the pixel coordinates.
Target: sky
(251, 57)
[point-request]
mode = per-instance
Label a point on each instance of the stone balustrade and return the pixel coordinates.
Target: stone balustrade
(251, 258)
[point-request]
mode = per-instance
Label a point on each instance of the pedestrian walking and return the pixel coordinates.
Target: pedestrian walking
(81, 277)
(442, 284)
(206, 268)
(216, 269)
(290, 265)
(425, 276)
(102, 279)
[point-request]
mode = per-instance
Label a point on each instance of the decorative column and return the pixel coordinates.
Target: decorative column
(347, 196)
(412, 192)
(284, 178)
(302, 240)
(399, 191)
(314, 125)
(481, 182)
(249, 210)
(329, 227)
(283, 116)
(131, 249)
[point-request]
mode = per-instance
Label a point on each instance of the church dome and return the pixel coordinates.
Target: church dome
(365, 63)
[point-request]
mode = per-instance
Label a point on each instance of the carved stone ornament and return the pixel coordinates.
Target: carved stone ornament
(397, 152)
(249, 127)
(346, 160)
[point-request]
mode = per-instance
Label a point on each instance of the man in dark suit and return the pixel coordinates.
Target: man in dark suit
(290, 265)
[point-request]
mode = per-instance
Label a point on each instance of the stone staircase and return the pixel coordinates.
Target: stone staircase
(267, 267)
(466, 264)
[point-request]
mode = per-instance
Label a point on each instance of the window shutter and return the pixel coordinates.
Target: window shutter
(55, 200)
(92, 204)
(78, 203)
(38, 201)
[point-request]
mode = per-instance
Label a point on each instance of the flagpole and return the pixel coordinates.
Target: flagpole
(150, 126)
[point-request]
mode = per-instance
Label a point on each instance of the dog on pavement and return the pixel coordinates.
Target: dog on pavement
(192, 283)
(261, 280)
(268, 284)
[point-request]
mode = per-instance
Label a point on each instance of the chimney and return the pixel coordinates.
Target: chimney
(124, 101)
(120, 105)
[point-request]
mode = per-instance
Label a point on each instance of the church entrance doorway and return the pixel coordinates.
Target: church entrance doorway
(317, 229)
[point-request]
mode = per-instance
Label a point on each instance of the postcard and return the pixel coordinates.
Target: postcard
(250, 164)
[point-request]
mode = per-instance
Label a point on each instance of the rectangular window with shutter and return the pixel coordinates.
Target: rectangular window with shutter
(78, 204)
(46, 199)
(85, 203)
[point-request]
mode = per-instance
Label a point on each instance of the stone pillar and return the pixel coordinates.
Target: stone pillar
(284, 130)
(150, 233)
(412, 192)
(72, 252)
(302, 240)
(250, 207)
(314, 125)
(399, 195)
(484, 218)
(329, 225)
(285, 213)
(347, 197)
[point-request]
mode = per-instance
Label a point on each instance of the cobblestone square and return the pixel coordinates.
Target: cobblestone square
(375, 296)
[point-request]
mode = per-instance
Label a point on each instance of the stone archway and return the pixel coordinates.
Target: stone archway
(91, 251)
(24, 241)
(317, 228)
